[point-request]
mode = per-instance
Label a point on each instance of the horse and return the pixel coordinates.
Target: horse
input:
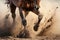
(26, 6)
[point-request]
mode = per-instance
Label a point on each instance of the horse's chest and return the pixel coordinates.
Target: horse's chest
(27, 6)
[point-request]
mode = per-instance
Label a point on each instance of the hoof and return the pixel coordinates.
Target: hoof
(24, 22)
(36, 27)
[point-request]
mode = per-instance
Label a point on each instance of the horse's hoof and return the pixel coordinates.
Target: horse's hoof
(36, 27)
(24, 22)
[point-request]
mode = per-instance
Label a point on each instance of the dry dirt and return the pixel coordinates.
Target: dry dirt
(46, 7)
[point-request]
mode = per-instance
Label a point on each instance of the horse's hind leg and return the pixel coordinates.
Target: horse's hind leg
(13, 8)
(22, 17)
(39, 19)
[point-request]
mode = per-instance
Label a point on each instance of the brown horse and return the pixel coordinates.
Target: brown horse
(26, 6)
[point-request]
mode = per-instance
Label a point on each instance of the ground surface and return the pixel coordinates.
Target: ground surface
(38, 38)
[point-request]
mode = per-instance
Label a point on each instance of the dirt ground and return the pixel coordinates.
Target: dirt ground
(46, 6)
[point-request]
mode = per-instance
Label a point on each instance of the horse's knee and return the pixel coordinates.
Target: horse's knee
(24, 22)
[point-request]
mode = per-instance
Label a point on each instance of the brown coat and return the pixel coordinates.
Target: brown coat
(25, 3)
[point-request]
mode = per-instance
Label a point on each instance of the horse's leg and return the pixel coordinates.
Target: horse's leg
(22, 16)
(39, 19)
(23, 33)
(26, 13)
(13, 8)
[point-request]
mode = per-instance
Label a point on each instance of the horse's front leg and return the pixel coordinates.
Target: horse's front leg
(22, 17)
(39, 19)
(13, 8)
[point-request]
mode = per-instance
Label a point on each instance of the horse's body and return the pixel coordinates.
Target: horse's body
(24, 5)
